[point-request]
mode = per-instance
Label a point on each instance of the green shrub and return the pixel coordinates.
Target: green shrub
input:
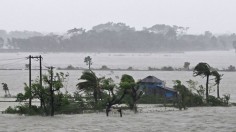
(150, 99)
(197, 100)
(226, 98)
(10, 110)
(213, 101)
(72, 108)
(24, 109)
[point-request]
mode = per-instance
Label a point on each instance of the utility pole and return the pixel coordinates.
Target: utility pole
(51, 91)
(30, 68)
(40, 76)
(30, 80)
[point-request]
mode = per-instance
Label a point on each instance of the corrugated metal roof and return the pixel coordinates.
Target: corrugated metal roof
(170, 89)
(151, 79)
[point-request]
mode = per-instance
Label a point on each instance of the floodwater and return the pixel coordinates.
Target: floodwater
(219, 59)
(15, 79)
(198, 119)
(194, 119)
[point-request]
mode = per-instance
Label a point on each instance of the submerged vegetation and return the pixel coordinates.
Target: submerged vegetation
(103, 94)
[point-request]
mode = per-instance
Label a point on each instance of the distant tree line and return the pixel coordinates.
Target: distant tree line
(119, 37)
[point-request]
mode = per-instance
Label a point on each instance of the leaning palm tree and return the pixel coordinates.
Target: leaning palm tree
(218, 77)
(90, 84)
(204, 70)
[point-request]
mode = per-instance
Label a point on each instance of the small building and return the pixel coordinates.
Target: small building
(154, 86)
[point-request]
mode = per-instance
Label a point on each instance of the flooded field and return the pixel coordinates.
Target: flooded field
(16, 79)
(204, 119)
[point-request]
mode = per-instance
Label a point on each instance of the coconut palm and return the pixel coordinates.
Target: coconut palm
(218, 77)
(90, 84)
(204, 70)
(186, 65)
(6, 89)
(88, 61)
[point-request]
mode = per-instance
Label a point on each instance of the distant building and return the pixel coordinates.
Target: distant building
(154, 86)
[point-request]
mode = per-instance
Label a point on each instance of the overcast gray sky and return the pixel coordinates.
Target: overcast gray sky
(218, 16)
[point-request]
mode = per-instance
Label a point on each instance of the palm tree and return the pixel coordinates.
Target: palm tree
(6, 89)
(204, 70)
(186, 65)
(88, 61)
(218, 77)
(91, 84)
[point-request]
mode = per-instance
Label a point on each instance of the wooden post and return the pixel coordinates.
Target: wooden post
(40, 76)
(30, 80)
(51, 91)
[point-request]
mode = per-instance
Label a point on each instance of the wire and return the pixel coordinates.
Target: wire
(12, 59)
(6, 64)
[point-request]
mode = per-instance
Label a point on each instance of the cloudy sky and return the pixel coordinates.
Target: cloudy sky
(217, 16)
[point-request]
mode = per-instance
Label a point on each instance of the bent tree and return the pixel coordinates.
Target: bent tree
(90, 83)
(115, 94)
(204, 70)
(218, 78)
(133, 91)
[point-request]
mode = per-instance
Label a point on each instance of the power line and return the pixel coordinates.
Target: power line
(11, 63)
(12, 59)
(30, 65)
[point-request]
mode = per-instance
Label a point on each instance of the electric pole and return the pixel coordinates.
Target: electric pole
(51, 91)
(30, 80)
(40, 76)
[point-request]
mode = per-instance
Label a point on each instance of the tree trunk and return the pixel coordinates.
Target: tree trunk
(52, 102)
(113, 102)
(44, 107)
(218, 91)
(108, 109)
(207, 81)
(95, 94)
(5, 93)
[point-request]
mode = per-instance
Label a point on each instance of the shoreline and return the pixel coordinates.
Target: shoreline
(115, 69)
